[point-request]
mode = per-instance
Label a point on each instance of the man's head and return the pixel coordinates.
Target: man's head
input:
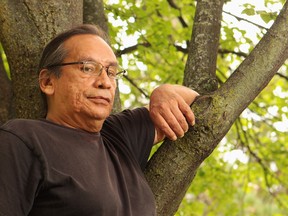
(75, 96)
(54, 52)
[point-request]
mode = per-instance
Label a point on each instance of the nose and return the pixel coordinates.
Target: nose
(103, 81)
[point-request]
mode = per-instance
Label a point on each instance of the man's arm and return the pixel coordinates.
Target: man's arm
(20, 172)
(170, 111)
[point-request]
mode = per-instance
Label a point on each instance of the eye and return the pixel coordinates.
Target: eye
(112, 72)
(90, 68)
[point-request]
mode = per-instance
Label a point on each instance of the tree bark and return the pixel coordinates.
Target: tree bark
(215, 114)
(200, 69)
(18, 21)
(5, 94)
(93, 13)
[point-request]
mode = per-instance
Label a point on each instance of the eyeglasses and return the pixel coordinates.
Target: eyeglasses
(95, 69)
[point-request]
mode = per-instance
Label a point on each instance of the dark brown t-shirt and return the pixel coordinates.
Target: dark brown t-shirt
(49, 170)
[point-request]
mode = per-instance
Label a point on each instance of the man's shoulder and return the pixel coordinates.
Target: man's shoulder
(23, 127)
(20, 123)
(127, 121)
(19, 131)
(131, 113)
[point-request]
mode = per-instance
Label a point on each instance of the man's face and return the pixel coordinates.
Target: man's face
(78, 97)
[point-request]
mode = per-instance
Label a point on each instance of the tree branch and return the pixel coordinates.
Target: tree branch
(131, 49)
(136, 86)
(246, 20)
(282, 76)
(225, 51)
(180, 18)
(203, 48)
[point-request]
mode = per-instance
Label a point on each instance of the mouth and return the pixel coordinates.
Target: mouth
(99, 99)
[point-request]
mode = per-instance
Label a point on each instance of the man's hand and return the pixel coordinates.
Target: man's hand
(170, 111)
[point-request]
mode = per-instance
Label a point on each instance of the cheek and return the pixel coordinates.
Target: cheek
(74, 97)
(78, 99)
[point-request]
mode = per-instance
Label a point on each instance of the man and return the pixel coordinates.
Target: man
(80, 160)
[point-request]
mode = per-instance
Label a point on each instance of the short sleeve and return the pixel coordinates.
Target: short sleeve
(20, 175)
(136, 129)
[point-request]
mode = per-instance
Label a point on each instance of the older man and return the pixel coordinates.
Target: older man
(80, 160)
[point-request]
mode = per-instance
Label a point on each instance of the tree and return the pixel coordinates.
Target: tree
(5, 92)
(174, 165)
(42, 21)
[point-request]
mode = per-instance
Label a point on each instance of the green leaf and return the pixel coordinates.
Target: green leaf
(249, 11)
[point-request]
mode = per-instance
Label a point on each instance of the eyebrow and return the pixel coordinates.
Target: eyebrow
(110, 63)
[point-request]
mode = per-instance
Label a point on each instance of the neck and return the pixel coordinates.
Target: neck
(90, 125)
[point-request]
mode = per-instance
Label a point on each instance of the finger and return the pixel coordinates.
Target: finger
(188, 113)
(163, 126)
(175, 121)
(181, 121)
(174, 117)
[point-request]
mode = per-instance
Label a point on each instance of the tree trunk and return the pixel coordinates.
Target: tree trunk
(5, 94)
(93, 13)
(18, 21)
(215, 113)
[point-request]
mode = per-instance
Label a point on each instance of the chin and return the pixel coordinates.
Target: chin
(101, 116)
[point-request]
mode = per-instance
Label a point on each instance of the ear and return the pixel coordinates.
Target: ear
(46, 82)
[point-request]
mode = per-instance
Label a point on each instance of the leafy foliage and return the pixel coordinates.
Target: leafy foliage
(246, 174)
